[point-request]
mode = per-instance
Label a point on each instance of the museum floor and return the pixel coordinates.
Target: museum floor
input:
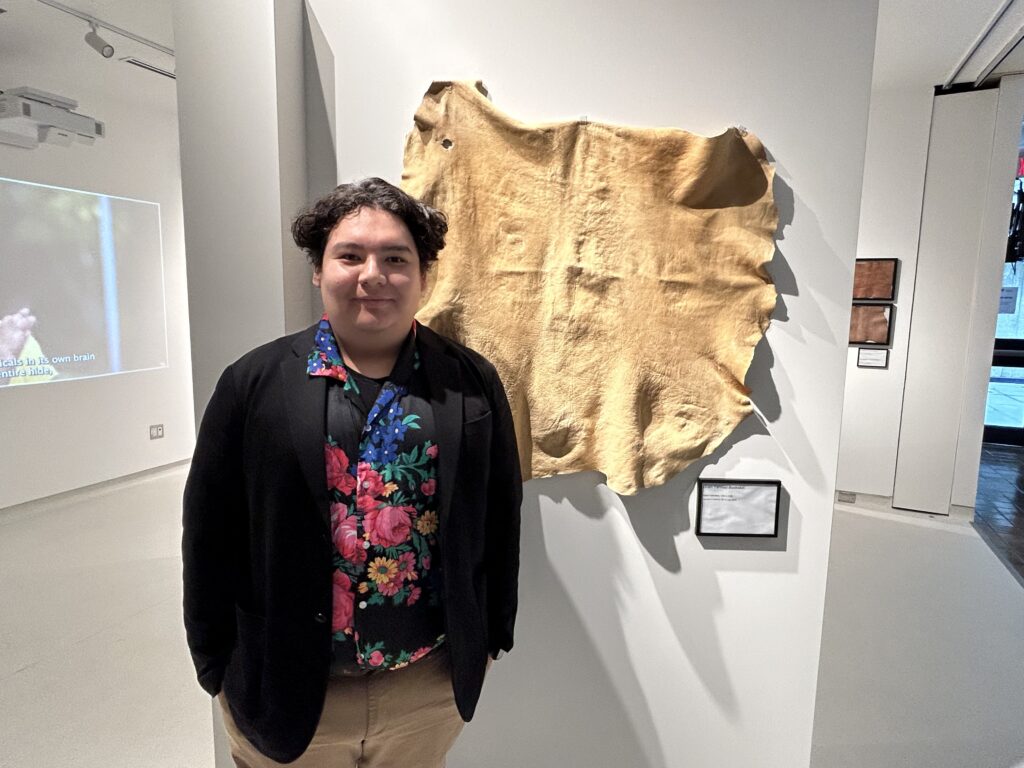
(999, 508)
(921, 657)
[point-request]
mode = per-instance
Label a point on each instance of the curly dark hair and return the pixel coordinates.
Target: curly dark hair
(312, 227)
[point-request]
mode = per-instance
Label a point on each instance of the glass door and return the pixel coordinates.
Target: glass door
(1004, 409)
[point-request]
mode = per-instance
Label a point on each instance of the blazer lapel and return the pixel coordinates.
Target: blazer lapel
(446, 401)
(305, 399)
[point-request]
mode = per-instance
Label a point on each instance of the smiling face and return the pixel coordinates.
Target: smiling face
(371, 281)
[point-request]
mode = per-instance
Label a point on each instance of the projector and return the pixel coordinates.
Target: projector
(30, 117)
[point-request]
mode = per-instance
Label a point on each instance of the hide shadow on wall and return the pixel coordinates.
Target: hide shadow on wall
(554, 700)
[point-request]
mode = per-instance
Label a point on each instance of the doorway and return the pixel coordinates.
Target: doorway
(999, 507)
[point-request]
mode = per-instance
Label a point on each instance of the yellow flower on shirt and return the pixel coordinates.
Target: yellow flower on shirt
(426, 524)
(382, 570)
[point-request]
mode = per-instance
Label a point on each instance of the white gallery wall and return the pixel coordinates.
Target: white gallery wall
(890, 223)
(971, 164)
(959, 150)
(68, 434)
(637, 643)
(915, 51)
(913, 432)
(240, 91)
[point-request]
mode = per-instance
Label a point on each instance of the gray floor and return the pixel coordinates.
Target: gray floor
(922, 653)
(922, 659)
(93, 667)
(999, 506)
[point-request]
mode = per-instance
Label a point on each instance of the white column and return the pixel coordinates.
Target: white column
(242, 125)
(991, 258)
(947, 265)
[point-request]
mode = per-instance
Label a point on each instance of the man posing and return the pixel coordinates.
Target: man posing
(351, 517)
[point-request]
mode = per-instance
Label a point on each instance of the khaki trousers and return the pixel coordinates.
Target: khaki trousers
(390, 719)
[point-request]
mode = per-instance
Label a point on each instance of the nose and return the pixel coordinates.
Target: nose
(371, 273)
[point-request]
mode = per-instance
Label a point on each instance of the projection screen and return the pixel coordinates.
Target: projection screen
(81, 285)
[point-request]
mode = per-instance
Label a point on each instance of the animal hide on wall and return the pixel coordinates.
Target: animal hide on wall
(615, 276)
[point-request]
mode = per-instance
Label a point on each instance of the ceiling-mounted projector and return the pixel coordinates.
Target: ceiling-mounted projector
(30, 117)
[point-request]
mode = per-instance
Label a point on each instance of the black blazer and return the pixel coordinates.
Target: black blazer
(257, 548)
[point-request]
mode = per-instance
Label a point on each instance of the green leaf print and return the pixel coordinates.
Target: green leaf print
(422, 546)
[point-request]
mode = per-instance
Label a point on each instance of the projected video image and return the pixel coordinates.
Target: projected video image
(81, 285)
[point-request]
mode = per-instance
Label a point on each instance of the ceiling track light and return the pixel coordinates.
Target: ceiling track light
(135, 61)
(96, 23)
(97, 43)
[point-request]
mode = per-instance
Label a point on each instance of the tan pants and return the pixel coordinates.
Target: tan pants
(398, 719)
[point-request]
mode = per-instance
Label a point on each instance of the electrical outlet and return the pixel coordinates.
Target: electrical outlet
(156, 431)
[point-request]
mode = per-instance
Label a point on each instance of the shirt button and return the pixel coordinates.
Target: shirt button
(320, 617)
(362, 603)
(366, 545)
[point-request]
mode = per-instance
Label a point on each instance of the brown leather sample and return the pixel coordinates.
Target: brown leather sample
(869, 324)
(874, 279)
(614, 275)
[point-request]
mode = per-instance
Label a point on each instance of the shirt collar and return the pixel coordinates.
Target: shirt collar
(326, 358)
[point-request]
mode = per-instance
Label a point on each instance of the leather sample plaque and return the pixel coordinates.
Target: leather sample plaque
(614, 275)
(874, 280)
(870, 324)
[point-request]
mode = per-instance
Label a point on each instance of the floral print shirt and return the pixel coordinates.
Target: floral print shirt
(382, 480)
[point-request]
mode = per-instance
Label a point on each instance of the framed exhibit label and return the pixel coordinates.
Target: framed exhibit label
(874, 279)
(871, 324)
(872, 358)
(1008, 300)
(738, 507)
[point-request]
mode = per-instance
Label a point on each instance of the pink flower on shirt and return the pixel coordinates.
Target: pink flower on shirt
(346, 535)
(376, 659)
(341, 619)
(389, 588)
(337, 469)
(429, 487)
(419, 654)
(407, 567)
(388, 526)
(369, 486)
(370, 482)
(432, 451)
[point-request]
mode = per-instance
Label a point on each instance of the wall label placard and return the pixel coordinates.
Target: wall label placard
(872, 358)
(1008, 299)
(738, 507)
